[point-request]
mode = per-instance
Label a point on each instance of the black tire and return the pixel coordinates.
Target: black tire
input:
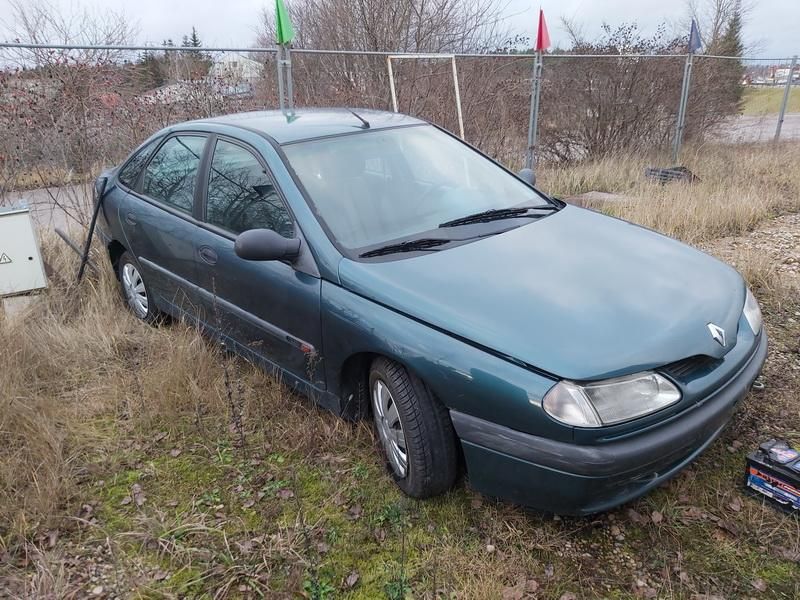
(430, 442)
(151, 315)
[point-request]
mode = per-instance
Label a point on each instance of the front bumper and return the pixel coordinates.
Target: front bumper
(578, 479)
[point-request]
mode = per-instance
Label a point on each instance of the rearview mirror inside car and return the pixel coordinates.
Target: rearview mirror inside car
(265, 244)
(527, 175)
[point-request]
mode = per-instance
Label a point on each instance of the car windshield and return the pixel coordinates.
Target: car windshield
(388, 185)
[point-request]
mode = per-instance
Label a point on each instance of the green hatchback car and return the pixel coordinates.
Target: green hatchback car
(568, 361)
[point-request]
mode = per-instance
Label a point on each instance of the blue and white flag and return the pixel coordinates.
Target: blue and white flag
(694, 38)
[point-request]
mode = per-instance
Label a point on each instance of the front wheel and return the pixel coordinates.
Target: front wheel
(135, 290)
(415, 431)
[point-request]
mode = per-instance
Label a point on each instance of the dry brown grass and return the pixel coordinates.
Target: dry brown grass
(739, 187)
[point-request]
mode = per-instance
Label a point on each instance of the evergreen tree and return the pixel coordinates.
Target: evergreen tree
(194, 39)
(731, 45)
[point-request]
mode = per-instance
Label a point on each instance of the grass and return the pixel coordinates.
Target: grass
(127, 467)
(767, 100)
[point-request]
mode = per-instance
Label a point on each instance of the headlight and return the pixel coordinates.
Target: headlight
(610, 401)
(752, 312)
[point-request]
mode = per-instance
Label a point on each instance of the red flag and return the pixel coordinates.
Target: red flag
(542, 37)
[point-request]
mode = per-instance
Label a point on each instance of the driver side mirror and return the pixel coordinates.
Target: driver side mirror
(527, 175)
(265, 244)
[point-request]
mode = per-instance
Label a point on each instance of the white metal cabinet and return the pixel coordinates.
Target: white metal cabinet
(21, 268)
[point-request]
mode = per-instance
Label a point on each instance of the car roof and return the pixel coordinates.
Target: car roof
(308, 123)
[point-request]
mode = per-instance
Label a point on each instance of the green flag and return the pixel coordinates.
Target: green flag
(283, 24)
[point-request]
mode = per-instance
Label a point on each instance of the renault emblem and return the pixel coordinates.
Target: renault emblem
(718, 333)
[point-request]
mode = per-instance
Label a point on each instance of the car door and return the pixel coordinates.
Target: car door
(158, 219)
(270, 308)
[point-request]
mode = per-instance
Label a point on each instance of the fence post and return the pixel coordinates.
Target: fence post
(687, 77)
(533, 117)
(785, 101)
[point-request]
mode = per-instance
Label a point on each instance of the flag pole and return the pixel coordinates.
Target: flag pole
(533, 117)
(284, 33)
(279, 66)
(289, 83)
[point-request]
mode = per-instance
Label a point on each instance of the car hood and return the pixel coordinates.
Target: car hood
(577, 294)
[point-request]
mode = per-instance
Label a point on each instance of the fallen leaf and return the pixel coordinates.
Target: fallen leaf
(735, 505)
(249, 504)
(514, 592)
(728, 526)
(354, 512)
(568, 596)
(175, 452)
(160, 575)
(692, 513)
(285, 494)
(380, 534)
(138, 495)
(160, 436)
(126, 500)
(351, 580)
(531, 586)
(323, 548)
(636, 517)
(759, 584)
(656, 517)
(97, 590)
(787, 554)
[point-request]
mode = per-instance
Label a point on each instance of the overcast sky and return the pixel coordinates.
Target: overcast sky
(773, 27)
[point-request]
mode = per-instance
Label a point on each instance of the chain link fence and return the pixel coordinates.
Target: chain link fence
(66, 111)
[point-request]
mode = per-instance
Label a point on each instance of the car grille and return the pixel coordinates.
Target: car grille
(688, 367)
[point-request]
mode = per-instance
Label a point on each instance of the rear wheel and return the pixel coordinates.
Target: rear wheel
(135, 290)
(414, 429)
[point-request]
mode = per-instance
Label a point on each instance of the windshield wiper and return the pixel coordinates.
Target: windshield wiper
(410, 246)
(496, 214)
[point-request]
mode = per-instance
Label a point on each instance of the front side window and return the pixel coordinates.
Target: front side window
(129, 174)
(171, 175)
(386, 185)
(242, 195)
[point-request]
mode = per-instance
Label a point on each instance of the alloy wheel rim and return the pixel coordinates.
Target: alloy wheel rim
(390, 428)
(135, 292)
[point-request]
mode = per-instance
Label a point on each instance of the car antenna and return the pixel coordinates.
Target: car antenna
(360, 118)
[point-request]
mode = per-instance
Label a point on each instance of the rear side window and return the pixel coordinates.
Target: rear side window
(242, 195)
(171, 175)
(130, 172)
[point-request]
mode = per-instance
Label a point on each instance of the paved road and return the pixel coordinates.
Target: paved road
(758, 128)
(55, 206)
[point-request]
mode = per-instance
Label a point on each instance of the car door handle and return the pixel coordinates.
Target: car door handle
(130, 219)
(208, 255)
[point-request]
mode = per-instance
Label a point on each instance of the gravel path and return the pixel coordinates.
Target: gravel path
(777, 240)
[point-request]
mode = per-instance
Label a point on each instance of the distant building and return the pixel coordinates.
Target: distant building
(234, 68)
